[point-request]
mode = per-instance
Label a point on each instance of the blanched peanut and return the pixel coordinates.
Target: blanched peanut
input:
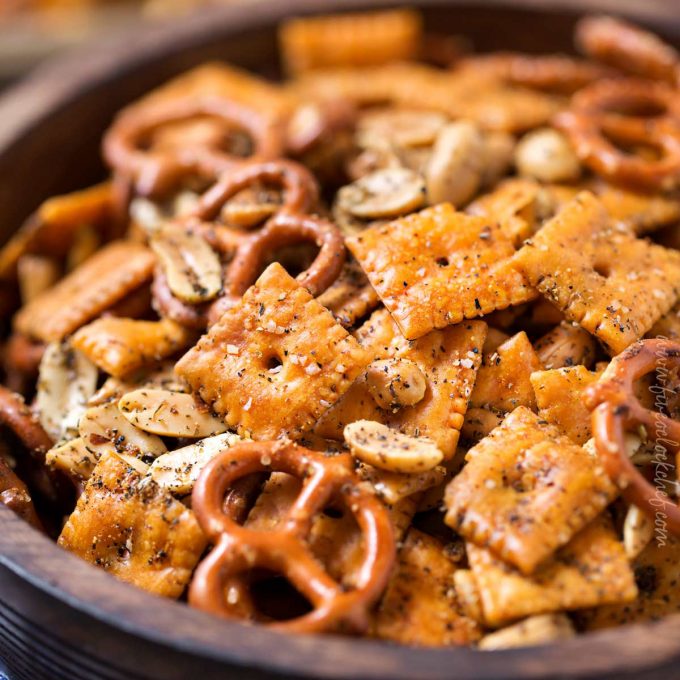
(382, 194)
(103, 427)
(169, 414)
(73, 458)
(454, 171)
(566, 345)
(399, 127)
(378, 445)
(499, 148)
(66, 381)
(536, 630)
(191, 266)
(547, 155)
(177, 471)
(394, 383)
(638, 531)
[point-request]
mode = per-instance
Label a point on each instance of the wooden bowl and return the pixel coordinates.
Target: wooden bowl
(61, 617)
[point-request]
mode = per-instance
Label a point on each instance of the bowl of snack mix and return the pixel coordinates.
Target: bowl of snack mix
(344, 342)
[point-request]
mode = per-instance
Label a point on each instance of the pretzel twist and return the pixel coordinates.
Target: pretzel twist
(616, 410)
(627, 47)
(248, 252)
(238, 549)
(593, 122)
(155, 171)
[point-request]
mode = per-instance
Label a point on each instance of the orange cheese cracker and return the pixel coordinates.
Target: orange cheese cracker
(361, 39)
(437, 267)
(97, 284)
(420, 606)
(611, 283)
(448, 360)
(127, 525)
(275, 362)
(592, 569)
(560, 399)
(526, 490)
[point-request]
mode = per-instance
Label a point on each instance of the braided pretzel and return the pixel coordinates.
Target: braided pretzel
(239, 549)
(627, 47)
(592, 121)
(616, 410)
(299, 187)
(155, 172)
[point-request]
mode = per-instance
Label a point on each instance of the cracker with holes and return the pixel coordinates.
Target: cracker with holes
(447, 360)
(126, 524)
(275, 362)
(560, 397)
(602, 277)
(351, 297)
(657, 573)
(668, 325)
(592, 569)
(526, 490)
(121, 346)
(420, 605)
(437, 267)
(97, 284)
(503, 383)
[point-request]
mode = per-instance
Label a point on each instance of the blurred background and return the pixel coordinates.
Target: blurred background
(32, 30)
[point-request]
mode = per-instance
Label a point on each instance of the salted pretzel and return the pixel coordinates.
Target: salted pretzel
(299, 187)
(14, 494)
(154, 172)
(628, 111)
(616, 410)
(21, 360)
(628, 47)
(219, 585)
(248, 252)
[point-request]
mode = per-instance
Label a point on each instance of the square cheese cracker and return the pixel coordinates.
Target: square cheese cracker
(613, 284)
(437, 267)
(275, 362)
(526, 490)
(448, 359)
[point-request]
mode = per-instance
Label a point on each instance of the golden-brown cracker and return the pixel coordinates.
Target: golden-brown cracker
(121, 346)
(526, 490)
(668, 326)
(437, 267)
(567, 344)
(351, 297)
(275, 362)
(448, 359)
(591, 569)
(355, 39)
(101, 281)
(503, 383)
(494, 105)
(421, 606)
(643, 213)
(125, 524)
(514, 203)
(560, 399)
(612, 284)
(657, 573)
(52, 229)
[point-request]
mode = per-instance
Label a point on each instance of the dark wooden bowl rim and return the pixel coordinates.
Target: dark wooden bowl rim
(93, 592)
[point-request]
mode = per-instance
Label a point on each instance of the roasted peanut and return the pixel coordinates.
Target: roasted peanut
(546, 155)
(394, 383)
